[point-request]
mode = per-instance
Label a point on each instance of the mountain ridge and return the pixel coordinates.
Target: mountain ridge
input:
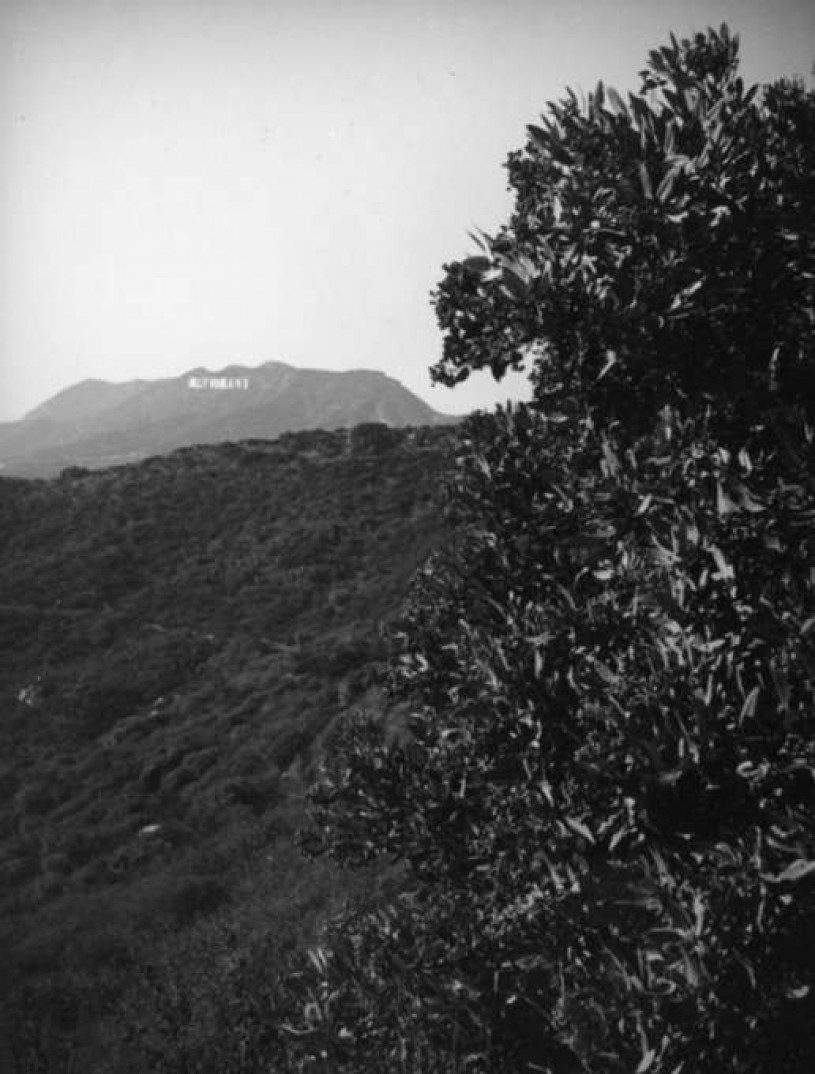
(97, 423)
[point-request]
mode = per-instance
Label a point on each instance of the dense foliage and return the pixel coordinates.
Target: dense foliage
(603, 803)
(660, 248)
(178, 637)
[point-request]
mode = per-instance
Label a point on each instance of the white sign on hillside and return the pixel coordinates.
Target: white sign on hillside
(239, 383)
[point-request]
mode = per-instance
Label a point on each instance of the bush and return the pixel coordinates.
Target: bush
(605, 808)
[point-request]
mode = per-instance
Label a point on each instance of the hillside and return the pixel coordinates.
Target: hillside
(178, 636)
(96, 423)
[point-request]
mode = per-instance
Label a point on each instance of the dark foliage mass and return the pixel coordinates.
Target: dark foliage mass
(178, 637)
(603, 804)
(660, 248)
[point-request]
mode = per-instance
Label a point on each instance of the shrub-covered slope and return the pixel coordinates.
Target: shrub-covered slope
(177, 636)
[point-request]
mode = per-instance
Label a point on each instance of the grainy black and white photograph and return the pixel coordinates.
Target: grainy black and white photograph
(407, 537)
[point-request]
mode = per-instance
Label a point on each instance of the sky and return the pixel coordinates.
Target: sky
(193, 183)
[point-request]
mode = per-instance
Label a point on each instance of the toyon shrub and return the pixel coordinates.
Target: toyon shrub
(601, 817)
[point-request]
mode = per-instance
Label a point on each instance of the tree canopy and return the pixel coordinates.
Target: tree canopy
(603, 807)
(660, 249)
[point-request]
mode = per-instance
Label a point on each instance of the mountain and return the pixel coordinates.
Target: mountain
(178, 639)
(95, 423)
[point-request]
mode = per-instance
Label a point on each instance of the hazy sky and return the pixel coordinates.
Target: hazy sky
(199, 182)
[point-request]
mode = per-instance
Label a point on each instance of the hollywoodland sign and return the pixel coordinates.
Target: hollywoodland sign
(234, 383)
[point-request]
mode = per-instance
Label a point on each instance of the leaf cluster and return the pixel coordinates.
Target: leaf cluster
(605, 806)
(603, 801)
(660, 248)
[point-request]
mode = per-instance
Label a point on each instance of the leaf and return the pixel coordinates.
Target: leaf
(616, 101)
(541, 138)
(748, 709)
(724, 505)
(645, 181)
(476, 264)
(513, 283)
(725, 569)
(317, 958)
(746, 499)
(670, 138)
(611, 360)
(580, 829)
(793, 873)
(482, 240)
(538, 663)
(604, 671)
(688, 292)
(655, 60)
(665, 188)
(691, 971)
(782, 686)
(646, 1062)
(798, 993)
(612, 462)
